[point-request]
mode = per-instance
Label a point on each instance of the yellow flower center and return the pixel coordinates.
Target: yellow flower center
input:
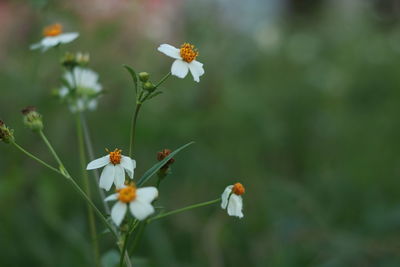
(127, 194)
(188, 52)
(52, 30)
(238, 189)
(115, 156)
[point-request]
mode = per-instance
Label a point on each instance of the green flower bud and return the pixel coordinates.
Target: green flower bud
(69, 60)
(82, 59)
(32, 119)
(148, 86)
(6, 134)
(144, 76)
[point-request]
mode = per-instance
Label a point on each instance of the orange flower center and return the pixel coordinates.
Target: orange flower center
(115, 156)
(127, 194)
(238, 189)
(188, 52)
(52, 30)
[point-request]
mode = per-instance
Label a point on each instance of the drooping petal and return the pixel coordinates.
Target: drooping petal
(35, 46)
(225, 196)
(98, 163)
(146, 194)
(67, 37)
(111, 197)
(129, 165)
(141, 210)
(107, 177)
(235, 206)
(119, 176)
(179, 68)
(170, 51)
(196, 69)
(118, 212)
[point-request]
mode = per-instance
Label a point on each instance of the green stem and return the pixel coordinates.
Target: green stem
(36, 158)
(65, 173)
(162, 80)
(86, 187)
(138, 236)
(162, 215)
(89, 148)
(133, 128)
(121, 259)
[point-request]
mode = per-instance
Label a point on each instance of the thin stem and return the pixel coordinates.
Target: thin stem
(162, 215)
(36, 158)
(162, 80)
(86, 187)
(65, 173)
(89, 148)
(121, 259)
(133, 128)
(138, 236)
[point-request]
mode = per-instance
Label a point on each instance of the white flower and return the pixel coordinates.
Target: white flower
(185, 60)
(53, 36)
(138, 199)
(232, 200)
(82, 91)
(115, 164)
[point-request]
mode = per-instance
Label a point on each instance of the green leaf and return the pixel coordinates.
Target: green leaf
(153, 170)
(133, 75)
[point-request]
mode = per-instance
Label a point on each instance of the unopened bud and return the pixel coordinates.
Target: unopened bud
(6, 134)
(144, 76)
(69, 60)
(148, 86)
(32, 119)
(82, 58)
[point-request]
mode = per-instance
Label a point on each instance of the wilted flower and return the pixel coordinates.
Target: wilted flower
(6, 134)
(232, 199)
(32, 119)
(53, 36)
(81, 89)
(185, 60)
(115, 167)
(138, 199)
(162, 155)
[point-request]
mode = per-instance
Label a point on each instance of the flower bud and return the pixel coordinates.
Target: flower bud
(144, 76)
(82, 58)
(69, 60)
(148, 86)
(6, 134)
(32, 119)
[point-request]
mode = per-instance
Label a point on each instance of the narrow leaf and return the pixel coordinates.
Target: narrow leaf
(153, 170)
(133, 75)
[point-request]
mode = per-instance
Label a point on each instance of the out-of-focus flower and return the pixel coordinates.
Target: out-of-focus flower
(32, 119)
(54, 36)
(138, 199)
(71, 60)
(81, 89)
(115, 167)
(232, 200)
(6, 134)
(185, 60)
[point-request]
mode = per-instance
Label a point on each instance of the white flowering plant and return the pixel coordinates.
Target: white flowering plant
(133, 199)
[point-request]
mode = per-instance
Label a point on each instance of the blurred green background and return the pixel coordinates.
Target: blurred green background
(299, 102)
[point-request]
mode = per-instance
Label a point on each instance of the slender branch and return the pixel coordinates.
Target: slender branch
(163, 80)
(86, 186)
(162, 215)
(89, 147)
(36, 158)
(133, 128)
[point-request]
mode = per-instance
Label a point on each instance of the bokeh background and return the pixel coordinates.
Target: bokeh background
(299, 102)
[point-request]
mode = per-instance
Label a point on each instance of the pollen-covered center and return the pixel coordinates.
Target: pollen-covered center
(238, 189)
(188, 52)
(127, 194)
(52, 30)
(115, 156)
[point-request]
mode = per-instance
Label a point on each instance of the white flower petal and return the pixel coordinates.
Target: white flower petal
(111, 197)
(98, 163)
(118, 212)
(235, 206)
(67, 37)
(128, 164)
(196, 68)
(119, 176)
(180, 68)
(50, 41)
(146, 194)
(107, 177)
(141, 210)
(35, 46)
(225, 196)
(170, 51)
